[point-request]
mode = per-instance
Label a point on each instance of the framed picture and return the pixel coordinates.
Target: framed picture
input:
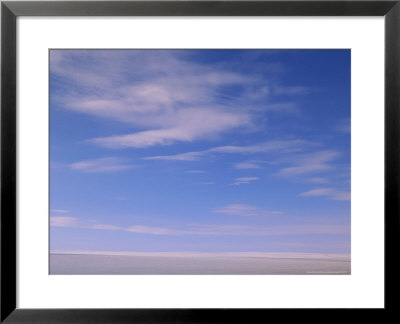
(196, 161)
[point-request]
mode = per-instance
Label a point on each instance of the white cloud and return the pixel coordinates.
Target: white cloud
(245, 210)
(317, 192)
(163, 95)
(244, 180)
(209, 229)
(170, 98)
(247, 165)
(61, 221)
(281, 146)
(276, 145)
(314, 162)
(182, 126)
(103, 165)
(153, 230)
(330, 193)
(189, 156)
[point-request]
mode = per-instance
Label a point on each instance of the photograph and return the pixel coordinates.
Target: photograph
(199, 161)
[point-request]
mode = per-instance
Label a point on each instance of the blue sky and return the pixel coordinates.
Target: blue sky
(200, 150)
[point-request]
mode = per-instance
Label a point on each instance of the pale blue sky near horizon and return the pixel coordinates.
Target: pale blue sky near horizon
(200, 150)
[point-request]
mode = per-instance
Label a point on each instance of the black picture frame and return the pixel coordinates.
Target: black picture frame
(10, 10)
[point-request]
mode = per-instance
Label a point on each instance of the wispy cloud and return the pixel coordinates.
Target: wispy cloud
(62, 221)
(311, 163)
(185, 126)
(281, 146)
(188, 156)
(247, 165)
(245, 210)
(172, 98)
(330, 193)
(59, 211)
(153, 230)
(244, 180)
(208, 229)
(102, 165)
(275, 145)
(105, 227)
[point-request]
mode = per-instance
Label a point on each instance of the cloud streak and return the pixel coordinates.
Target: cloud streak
(208, 229)
(177, 100)
(168, 99)
(62, 221)
(270, 146)
(64, 211)
(187, 126)
(247, 165)
(102, 165)
(244, 180)
(330, 193)
(243, 210)
(311, 163)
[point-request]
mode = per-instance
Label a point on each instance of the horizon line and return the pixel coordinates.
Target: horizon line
(198, 253)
